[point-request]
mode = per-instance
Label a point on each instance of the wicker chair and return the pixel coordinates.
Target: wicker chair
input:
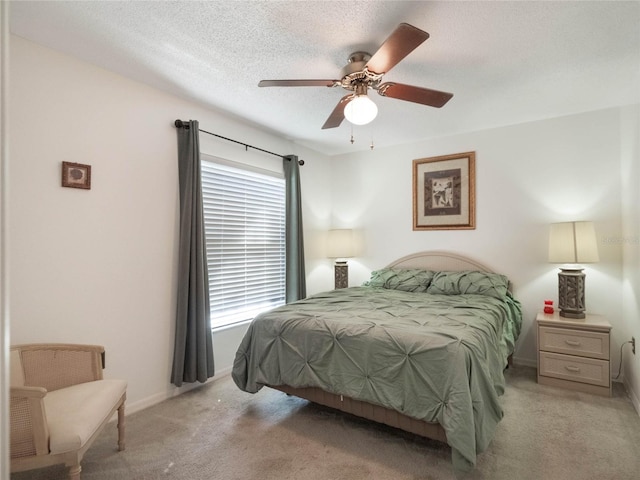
(59, 404)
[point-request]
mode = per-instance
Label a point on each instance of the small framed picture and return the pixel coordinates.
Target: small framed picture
(76, 175)
(444, 192)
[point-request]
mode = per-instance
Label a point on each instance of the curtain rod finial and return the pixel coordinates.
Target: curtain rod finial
(180, 124)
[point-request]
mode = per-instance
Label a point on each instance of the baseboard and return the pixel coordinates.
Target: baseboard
(172, 392)
(223, 372)
(632, 395)
(525, 362)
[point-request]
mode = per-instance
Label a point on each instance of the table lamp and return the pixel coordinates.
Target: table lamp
(572, 243)
(340, 247)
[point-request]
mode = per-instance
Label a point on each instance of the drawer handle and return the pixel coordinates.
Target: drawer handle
(573, 343)
(571, 368)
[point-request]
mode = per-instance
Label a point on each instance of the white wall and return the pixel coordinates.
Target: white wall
(527, 176)
(98, 266)
(630, 241)
(4, 237)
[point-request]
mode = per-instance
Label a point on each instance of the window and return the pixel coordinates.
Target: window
(244, 216)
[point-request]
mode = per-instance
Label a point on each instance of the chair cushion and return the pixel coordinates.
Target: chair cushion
(75, 413)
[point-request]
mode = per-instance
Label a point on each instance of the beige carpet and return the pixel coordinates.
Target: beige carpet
(219, 432)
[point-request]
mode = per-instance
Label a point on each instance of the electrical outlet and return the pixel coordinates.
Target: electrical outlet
(633, 345)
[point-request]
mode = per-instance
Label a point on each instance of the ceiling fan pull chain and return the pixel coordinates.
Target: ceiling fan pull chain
(352, 140)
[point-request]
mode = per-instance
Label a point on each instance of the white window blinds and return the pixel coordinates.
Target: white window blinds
(245, 233)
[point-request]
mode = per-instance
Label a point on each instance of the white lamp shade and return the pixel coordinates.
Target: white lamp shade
(573, 242)
(340, 244)
(361, 110)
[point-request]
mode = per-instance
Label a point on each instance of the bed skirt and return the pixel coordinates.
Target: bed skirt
(369, 411)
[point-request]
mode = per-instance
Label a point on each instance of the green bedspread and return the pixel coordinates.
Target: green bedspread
(439, 358)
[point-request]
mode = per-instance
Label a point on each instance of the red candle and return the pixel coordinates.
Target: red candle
(548, 306)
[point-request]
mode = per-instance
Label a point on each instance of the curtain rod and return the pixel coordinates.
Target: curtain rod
(180, 124)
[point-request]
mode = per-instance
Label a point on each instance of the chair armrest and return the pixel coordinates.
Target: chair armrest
(28, 392)
(28, 420)
(57, 365)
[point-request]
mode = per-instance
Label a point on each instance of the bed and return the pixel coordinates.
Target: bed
(421, 346)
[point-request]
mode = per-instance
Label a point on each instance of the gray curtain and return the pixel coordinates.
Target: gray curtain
(193, 348)
(295, 286)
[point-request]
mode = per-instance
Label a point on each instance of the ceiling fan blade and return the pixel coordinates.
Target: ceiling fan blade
(425, 96)
(336, 117)
(298, 83)
(400, 43)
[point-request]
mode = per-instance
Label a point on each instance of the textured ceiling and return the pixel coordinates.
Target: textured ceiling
(505, 62)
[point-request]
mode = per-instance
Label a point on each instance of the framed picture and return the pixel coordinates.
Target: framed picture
(76, 175)
(444, 192)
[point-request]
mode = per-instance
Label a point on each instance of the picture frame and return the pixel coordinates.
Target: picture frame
(444, 192)
(76, 175)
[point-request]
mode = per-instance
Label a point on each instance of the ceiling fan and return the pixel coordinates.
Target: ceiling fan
(365, 71)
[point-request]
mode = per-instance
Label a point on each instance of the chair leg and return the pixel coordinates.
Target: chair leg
(121, 427)
(74, 472)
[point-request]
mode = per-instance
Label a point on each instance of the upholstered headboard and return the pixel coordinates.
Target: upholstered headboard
(439, 262)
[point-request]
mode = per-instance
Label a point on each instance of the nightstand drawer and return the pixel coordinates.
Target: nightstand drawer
(574, 342)
(578, 369)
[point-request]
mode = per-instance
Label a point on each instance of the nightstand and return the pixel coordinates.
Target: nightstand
(574, 353)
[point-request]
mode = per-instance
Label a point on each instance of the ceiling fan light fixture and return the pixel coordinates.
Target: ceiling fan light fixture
(361, 110)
